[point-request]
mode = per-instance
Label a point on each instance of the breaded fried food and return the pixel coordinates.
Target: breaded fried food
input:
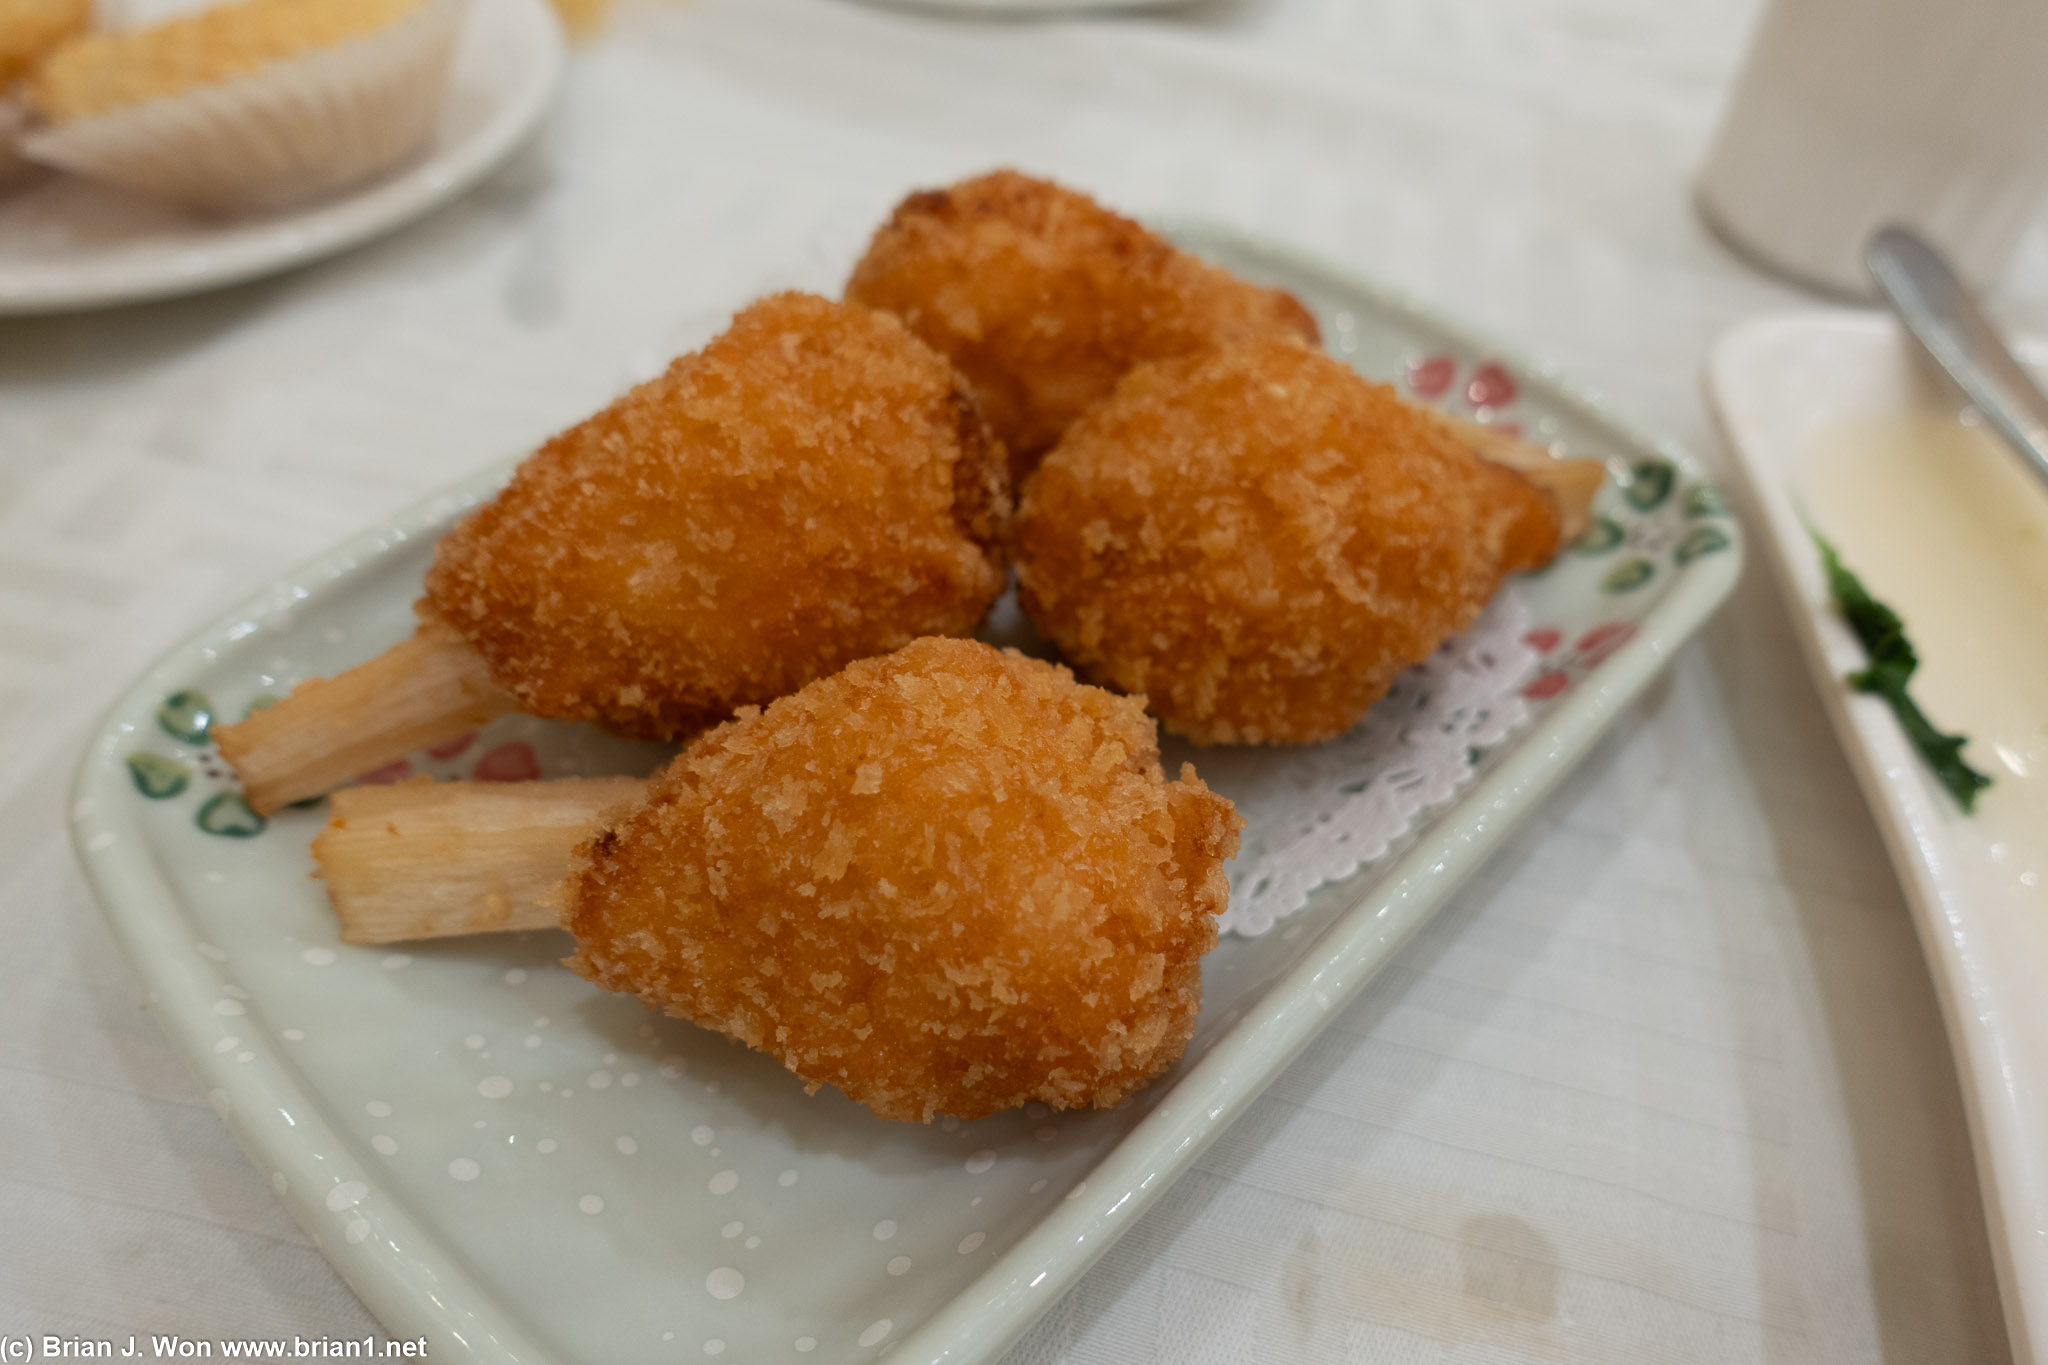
(809, 489)
(1259, 541)
(1043, 299)
(101, 72)
(31, 29)
(947, 881)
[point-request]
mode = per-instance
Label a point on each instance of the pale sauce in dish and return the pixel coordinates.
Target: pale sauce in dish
(1944, 525)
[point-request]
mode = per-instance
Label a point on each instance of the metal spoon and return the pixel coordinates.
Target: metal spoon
(1945, 320)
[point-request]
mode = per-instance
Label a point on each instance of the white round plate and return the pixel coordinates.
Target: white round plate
(68, 244)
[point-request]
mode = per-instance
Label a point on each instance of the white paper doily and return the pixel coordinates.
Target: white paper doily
(1315, 814)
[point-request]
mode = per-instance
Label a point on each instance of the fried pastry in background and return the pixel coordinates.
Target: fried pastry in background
(134, 65)
(583, 18)
(810, 488)
(1259, 541)
(247, 104)
(31, 29)
(1043, 299)
(947, 881)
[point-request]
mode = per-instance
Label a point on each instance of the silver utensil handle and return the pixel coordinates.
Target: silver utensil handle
(1946, 321)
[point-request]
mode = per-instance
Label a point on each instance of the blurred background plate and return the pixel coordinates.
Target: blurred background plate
(67, 244)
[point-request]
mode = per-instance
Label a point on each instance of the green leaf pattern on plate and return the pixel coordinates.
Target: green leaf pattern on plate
(1649, 484)
(186, 716)
(1705, 500)
(157, 777)
(1701, 540)
(1604, 534)
(1628, 575)
(1649, 521)
(228, 815)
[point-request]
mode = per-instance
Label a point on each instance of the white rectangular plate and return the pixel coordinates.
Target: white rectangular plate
(502, 1159)
(1801, 398)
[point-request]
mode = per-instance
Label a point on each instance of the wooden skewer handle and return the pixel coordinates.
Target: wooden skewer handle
(427, 859)
(425, 691)
(1571, 484)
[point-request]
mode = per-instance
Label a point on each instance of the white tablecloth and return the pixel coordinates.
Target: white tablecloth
(1666, 1084)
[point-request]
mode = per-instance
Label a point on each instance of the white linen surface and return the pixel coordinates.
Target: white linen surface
(1667, 1083)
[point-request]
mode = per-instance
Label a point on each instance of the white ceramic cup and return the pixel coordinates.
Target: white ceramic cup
(1855, 113)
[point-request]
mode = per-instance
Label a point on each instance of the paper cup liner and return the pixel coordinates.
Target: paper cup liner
(292, 131)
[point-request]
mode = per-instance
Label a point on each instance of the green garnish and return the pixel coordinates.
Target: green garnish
(1892, 661)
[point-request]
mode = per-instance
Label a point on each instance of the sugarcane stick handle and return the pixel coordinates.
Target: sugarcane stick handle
(427, 859)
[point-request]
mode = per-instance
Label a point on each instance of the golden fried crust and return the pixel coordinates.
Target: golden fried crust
(1042, 298)
(809, 489)
(131, 65)
(31, 29)
(1260, 541)
(947, 881)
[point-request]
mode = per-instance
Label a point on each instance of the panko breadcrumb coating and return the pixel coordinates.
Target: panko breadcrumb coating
(947, 881)
(809, 489)
(1259, 541)
(111, 70)
(30, 29)
(1043, 299)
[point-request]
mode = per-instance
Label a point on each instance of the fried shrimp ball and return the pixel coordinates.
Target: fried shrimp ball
(1043, 299)
(950, 880)
(1259, 541)
(809, 489)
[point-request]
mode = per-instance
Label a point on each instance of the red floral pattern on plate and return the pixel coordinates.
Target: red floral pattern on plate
(454, 748)
(1587, 653)
(1490, 387)
(512, 761)
(1601, 641)
(1432, 376)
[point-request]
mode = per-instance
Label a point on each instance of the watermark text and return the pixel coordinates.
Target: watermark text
(49, 1346)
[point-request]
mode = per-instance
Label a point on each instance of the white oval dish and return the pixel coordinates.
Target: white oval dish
(500, 1158)
(68, 244)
